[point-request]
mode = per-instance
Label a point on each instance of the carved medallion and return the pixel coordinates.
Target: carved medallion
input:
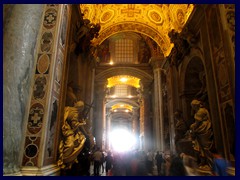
(107, 16)
(155, 17)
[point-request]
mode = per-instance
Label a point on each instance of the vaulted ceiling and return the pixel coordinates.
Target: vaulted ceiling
(152, 20)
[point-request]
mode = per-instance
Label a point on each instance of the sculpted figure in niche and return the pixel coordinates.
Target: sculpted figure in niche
(76, 133)
(73, 139)
(86, 31)
(202, 135)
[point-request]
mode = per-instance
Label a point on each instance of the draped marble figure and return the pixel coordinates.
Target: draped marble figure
(202, 134)
(73, 139)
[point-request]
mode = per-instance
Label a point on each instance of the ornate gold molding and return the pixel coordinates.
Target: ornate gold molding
(153, 20)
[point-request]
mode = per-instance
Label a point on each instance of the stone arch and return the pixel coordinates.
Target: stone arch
(160, 40)
(145, 77)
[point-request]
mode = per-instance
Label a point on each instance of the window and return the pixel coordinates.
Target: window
(124, 51)
(121, 90)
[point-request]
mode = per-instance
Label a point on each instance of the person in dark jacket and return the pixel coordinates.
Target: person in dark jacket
(109, 162)
(159, 159)
(177, 168)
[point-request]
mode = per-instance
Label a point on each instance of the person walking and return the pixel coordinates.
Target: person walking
(220, 165)
(97, 161)
(149, 162)
(159, 159)
(109, 163)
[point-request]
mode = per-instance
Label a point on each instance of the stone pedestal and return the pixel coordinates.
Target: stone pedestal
(185, 146)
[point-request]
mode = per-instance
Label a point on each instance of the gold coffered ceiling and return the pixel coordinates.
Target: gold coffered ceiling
(153, 20)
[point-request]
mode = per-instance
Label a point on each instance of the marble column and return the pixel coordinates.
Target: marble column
(108, 129)
(99, 115)
(21, 27)
(141, 124)
(158, 120)
(147, 121)
(41, 130)
(104, 128)
(135, 117)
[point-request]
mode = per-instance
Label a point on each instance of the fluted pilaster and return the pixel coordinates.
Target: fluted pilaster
(158, 120)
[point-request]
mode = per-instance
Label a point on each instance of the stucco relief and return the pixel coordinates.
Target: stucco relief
(155, 17)
(180, 17)
(107, 16)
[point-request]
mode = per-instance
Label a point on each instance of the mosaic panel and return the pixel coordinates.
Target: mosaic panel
(31, 151)
(37, 111)
(46, 42)
(43, 64)
(39, 88)
(50, 18)
(35, 118)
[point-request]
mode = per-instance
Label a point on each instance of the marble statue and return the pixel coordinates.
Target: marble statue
(73, 139)
(202, 135)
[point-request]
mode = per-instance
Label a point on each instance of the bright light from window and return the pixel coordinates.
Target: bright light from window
(122, 140)
(123, 79)
(113, 96)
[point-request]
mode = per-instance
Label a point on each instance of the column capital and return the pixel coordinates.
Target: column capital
(156, 61)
